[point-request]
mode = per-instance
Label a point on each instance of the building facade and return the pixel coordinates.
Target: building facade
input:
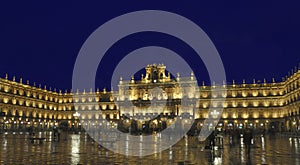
(273, 106)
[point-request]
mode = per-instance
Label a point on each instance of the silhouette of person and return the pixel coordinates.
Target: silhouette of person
(212, 139)
(248, 136)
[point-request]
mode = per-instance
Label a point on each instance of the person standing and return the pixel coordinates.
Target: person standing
(248, 136)
(58, 134)
(212, 140)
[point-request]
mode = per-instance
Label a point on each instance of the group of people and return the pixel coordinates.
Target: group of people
(247, 139)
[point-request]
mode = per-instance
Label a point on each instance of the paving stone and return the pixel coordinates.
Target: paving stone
(75, 149)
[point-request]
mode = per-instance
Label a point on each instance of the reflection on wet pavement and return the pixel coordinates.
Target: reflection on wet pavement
(80, 149)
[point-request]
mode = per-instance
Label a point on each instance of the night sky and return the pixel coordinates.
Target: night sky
(40, 41)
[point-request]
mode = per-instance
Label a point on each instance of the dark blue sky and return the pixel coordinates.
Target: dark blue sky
(40, 41)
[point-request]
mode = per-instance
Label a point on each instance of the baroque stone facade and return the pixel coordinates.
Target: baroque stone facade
(263, 105)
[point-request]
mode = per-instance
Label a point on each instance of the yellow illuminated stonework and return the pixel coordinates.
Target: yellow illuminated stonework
(267, 105)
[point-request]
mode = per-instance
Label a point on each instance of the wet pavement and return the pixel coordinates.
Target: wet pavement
(80, 149)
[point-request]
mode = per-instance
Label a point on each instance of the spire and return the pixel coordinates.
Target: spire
(21, 81)
(121, 80)
(14, 78)
(27, 82)
(91, 90)
(265, 81)
(178, 77)
(132, 79)
(203, 84)
(104, 90)
(254, 81)
(192, 75)
(6, 76)
(34, 84)
(273, 80)
(45, 87)
(214, 83)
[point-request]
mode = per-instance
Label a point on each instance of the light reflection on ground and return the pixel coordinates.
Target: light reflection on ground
(80, 149)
